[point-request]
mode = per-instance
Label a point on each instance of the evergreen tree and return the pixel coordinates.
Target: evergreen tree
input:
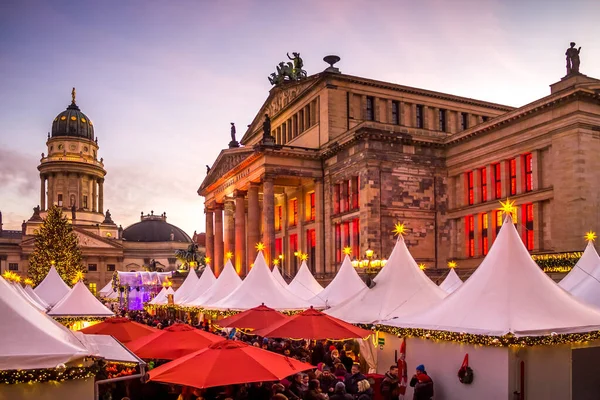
(57, 244)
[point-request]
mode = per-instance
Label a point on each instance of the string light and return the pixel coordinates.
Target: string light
(12, 377)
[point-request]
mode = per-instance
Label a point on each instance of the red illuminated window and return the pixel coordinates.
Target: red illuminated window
(483, 182)
(311, 244)
(512, 173)
(497, 181)
(294, 249)
(470, 190)
(278, 247)
(294, 212)
(484, 233)
(470, 228)
(346, 233)
(528, 161)
(499, 220)
(338, 243)
(528, 236)
(278, 217)
(355, 236)
(311, 199)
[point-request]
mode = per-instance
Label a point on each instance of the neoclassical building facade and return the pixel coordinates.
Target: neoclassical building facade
(342, 159)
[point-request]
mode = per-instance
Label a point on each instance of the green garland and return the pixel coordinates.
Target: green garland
(12, 377)
(66, 321)
(558, 262)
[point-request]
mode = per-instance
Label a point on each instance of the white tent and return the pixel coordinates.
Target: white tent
(187, 287)
(52, 288)
(227, 282)
(304, 284)
(161, 297)
(207, 279)
(278, 277)
(346, 283)
(584, 267)
(260, 287)
(19, 289)
(401, 288)
(29, 290)
(588, 288)
(508, 293)
(452, 282)
(106, 290)
(80, 302)
(30, 339)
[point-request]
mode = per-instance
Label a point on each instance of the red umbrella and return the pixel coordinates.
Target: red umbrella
(254, 318)
(313, 324)
(172, 342)
(123, 329)
(227, 363)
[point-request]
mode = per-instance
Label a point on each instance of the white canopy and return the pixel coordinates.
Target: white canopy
(451, 283)
(227, 282)
(109, 348)
(260, 287)
(508, 293)
(207, 279)
(30, 339)
(304, 284)
(346, 283)
(161, 297)
(80, 302)
(588, 289)
(106, 290)
(52, 288)
(278, 277)
(19, 289)
(187, 287)
(29, 290)
(584, 267)
(402, 288)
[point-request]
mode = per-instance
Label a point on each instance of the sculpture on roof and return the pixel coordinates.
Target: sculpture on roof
(290, 71)
(233, 143)
(573, 59)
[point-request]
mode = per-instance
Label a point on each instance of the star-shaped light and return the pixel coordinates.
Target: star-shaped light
(229, 255)
(275, 262)
(348, 251)
(452, 264)
(78, 277)
(17, 278)
(28, 281)
(508, 207)
(590, 236)
(7, 275)
(206, 260)
(260, 246)
(399, 229)
(422, 266)
(304, 257)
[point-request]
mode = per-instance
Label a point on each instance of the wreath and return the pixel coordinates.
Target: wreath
(465, 373)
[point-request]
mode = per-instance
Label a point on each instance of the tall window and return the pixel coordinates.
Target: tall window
(294, 212)
(60, 200)
(356, 237)
(301, 121)
(470, 188)
(346, 233)
(497, 181)
(464, 121)
(344, 196)
(337, 192)
(528, 161)
(395, 112)
(483, 183)
(13, 266)
(92, 267)
(338, 243)
(311, 245)
(93, 288)
(278, 217)
(442, 119)
(419, 116)
(484, 234)
(528, 210)
(85, 201)
(308, 120)
(355, 192)
(470, 228)
(72, 200)
(295, 124)
(311, 202)
(499, 220)
(512, 173)
(278, 247)
(294, 249)
(284, 132)
(370, 108)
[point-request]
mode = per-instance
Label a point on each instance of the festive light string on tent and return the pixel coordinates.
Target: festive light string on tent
(560, 262)
(68, 321)
(12, 377)
(198, 309)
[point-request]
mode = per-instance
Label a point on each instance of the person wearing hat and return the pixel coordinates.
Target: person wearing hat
(422, 383)
(327, 380)
(340, 393)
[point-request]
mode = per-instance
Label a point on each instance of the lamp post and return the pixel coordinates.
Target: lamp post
(370, 265)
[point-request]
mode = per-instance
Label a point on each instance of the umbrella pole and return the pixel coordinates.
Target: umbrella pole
(120, 378)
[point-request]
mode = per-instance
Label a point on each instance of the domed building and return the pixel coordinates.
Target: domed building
(72, 177)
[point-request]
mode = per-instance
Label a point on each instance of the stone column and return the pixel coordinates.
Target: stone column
(477, 186)
(50, 191)
(505, 178)
(269, 219)
(94, 195)
(320, 227)
(210, 237)
(228, 228)
(101, 196)
(218, 249)
(42, 192)
(520, 162)
(491, 187)
(535, 170)
(253, 231)
(240, 232)
(80, 190)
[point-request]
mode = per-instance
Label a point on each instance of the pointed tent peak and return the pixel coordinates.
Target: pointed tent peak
(52, 288)
(170, 290)
(278, 277)
(451, 282)
(583, 269)
(227, 282)
(206, 280)
(80, 302)
(304, 284)
(344, 285)
(187, 286)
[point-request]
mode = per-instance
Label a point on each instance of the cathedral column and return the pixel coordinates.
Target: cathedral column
(94, 194)
(210, 238)
(253, 231)
(50, 190)
(320, 227)
(218, 249)
(101, 196)
(228, 228)
(269, 219)
(80, 192)
(240, 232)
(42, 192)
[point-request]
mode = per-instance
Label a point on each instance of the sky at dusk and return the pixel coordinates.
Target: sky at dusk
(162, 80)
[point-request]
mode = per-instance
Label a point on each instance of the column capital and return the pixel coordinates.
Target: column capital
(208, 209)
(218, 206)
(254, 185)
(268, 177)
(319, 179)
(240, 193)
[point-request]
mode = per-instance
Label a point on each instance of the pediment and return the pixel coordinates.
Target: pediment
(88, 239)
(225, 162)
(279, 98)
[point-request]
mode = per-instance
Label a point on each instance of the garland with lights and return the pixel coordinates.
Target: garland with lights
(559, 262)
(12, 377)
(494, 341)
(67, 321)
(196, 309)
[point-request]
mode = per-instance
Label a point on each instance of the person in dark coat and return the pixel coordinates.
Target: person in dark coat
(422, 383)
(296, 386)
(340, 393)
(389, 385)
(314, 391)
(318, 353)
(352, 380)
(327, 380)
(347, 361)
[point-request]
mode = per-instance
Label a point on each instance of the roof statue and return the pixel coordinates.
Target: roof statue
(73, 94)
(234, 143)
(290, 71)
(573, 59)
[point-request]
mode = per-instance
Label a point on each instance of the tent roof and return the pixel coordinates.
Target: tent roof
(207, 279)
(109, 348)
(584, 267)
(304, 284)
(106, 290)
(346, 283)
(187, 287)
(260, 287)
(508, 293)
(452, 282)
(19, 289)
(161, 297)
(402, 288)
(80, 302)
(29, 290)
(226, 283)
(278, 277)
(588, 289)
(52, 288)
(30, 339)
